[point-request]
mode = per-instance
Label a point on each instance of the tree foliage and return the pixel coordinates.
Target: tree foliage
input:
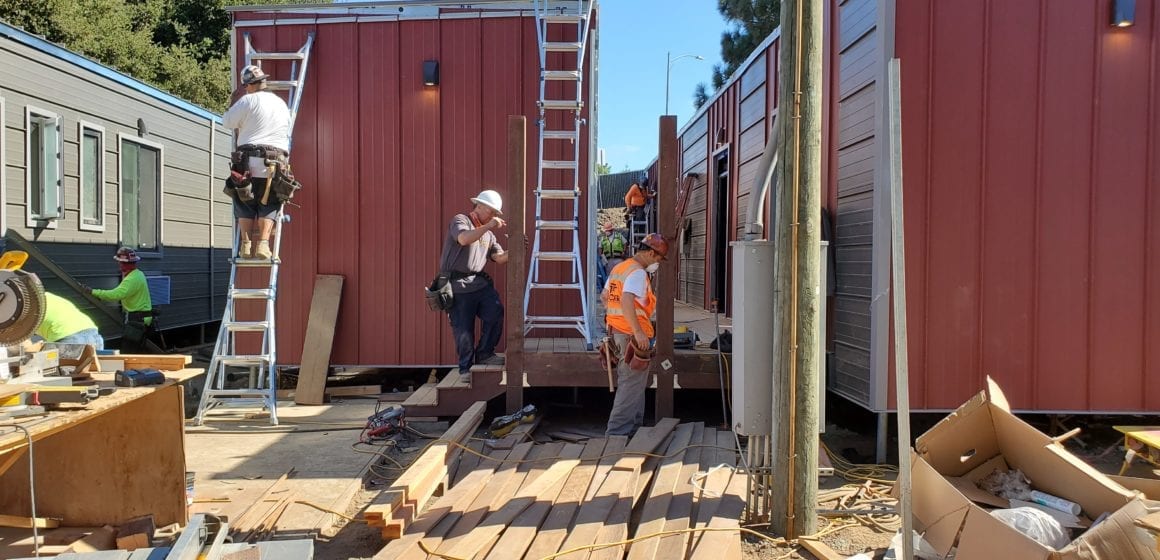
(181, 46)
(750, 22)
(603, 169)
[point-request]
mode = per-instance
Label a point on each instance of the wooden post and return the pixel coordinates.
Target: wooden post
(517, 266)
(898, 294)
(799, 253)
(667, 279)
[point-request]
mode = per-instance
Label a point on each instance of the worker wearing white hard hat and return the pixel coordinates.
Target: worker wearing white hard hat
(469, 244)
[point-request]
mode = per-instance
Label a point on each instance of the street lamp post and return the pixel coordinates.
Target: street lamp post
(669, 71)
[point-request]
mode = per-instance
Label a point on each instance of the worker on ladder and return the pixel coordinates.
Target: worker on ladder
(629, 304)
(133, 293)
(469, 244)
(635, 200)
(262, 121)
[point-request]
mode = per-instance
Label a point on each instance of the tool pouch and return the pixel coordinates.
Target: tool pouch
(439, 294)
(135, 331)
(609, 353)
(239, 186)
(638, 360)
(284, 185)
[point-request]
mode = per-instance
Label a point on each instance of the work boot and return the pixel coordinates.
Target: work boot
(262, 251)
(244, 251)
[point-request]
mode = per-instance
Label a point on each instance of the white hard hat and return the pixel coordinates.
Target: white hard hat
(491, 199)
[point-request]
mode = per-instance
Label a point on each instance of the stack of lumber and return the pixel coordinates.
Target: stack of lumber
(537, 500)
(397, 507)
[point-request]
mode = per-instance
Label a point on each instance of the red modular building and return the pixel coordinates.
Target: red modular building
(386, 159)
(1031, 160)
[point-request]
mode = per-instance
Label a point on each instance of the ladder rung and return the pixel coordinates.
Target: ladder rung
(560, 135)
(559, 164)
(256, 263)
(554, 318)
(277, 56)
(556, 225)
(563, 18)
(563, 75)
(242, 361)
(252, 393)
(281, 84)
(557, 256)
(553, 46)
(561, 104)
(247, 326)
(557, 286)
(558, 194)
(252, 293)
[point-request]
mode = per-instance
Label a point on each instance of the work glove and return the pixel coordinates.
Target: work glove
(86, 289)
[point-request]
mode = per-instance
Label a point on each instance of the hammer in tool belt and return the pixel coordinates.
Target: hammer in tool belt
(271, 165)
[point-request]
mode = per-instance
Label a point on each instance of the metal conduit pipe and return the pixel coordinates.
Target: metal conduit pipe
(755, 217)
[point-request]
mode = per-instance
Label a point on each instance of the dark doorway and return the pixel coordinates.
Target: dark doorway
(721, 224)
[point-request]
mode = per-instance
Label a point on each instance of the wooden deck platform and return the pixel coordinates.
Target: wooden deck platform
(537, 500)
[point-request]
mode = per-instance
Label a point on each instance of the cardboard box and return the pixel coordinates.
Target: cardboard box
(983, 435)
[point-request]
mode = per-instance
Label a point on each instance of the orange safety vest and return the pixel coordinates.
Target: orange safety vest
(613, 316)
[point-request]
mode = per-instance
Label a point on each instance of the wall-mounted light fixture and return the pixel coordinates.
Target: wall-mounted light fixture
(430, 72)
(142, 130)
(1123, 13)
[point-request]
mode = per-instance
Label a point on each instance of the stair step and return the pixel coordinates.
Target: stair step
(248, 326)
(558, 194)
(554, 318)
(556, 225)
(557, 46)
(252, 293)
(427, 395)
(243, 360)
(561, 75)
(560, 256)
(277, 56)
(560, 134)
(240, 393)
(453, 380)
(563, 18)
(561, 104)
(541, 285)
(559, 164)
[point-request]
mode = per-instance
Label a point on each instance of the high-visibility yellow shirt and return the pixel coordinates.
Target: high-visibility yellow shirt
(61, 319)
(132, 292)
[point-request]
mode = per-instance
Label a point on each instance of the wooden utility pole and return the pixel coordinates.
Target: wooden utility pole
(667, 278)
(517, 266)
(799, 254)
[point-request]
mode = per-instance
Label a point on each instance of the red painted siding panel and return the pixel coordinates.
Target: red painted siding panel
(1152, 283)
(1030, 135)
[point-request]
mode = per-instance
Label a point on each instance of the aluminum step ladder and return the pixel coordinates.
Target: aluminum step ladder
(262, 386)
(561, 61)
(640, 225)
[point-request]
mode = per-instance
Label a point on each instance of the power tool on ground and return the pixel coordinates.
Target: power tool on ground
(503, 425)
(384, 424)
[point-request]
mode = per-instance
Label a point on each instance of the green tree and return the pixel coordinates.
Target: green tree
(603, 169)
(750, 22)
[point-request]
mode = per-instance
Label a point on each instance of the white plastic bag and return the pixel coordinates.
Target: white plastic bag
(1036, 524)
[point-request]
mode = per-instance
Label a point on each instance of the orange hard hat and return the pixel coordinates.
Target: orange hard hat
(656, 242)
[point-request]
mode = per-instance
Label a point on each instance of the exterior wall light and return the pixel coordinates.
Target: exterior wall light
(430, 72)
(1123, 13)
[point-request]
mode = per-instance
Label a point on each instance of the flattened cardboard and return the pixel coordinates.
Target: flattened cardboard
(1150, 487)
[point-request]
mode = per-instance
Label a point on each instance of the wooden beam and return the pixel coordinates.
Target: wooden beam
(517, 265)
(554, 529)
(28, 522)
(656, 506)
(319, 340)
(163, 362)
(820, 550)
(667, 281)
(713, 545)
(680, 513)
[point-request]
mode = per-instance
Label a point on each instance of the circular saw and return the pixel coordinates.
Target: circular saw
(21, 300)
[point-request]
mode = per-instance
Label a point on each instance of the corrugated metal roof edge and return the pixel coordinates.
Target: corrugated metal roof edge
(377, 4)
(769, 39)
(47, 47)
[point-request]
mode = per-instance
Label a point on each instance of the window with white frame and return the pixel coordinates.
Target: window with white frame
(92, 176)
(43, 166)
(141, 164)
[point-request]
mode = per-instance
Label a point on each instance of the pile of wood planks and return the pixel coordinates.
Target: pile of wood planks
(537, 500)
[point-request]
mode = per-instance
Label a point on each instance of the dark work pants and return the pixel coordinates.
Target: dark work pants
(484, 304)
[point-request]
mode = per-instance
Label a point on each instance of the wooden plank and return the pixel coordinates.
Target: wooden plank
(554, 528)
(708, 461)
(517, 265)
(715, 485)
(456, 499)
(467, 463)
(35, 252)
(522, 531)
(820, 550)
(28, 522)
(453, 381)
(163, 362)
(426, 395)
(681, 507)
(618, 487)
(319, 340)
(713, 544)
(613, 451)
(353, 391)
(495, 522)
(656, 506)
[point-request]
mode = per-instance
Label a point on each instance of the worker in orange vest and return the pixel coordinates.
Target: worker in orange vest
(629, 305)
(635, 199)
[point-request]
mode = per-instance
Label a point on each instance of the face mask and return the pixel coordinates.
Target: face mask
(652, 268)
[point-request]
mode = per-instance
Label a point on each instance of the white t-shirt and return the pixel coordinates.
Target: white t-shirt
(262, 119)
(636, 285)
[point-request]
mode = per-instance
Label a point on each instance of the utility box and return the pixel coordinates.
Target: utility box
(753, 344)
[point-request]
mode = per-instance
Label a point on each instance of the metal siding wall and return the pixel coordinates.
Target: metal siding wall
(1029, 136)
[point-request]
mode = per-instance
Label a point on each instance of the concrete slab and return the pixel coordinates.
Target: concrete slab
(236, 460)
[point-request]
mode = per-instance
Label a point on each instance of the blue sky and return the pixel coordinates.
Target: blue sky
(634, 37)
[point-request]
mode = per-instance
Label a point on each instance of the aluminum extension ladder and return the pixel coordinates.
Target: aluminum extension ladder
(570, 18)
(261, 390)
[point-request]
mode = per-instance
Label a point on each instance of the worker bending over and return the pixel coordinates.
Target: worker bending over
(64, 323)
(468, 246)
(133, 293)
(635, 199)
(629, 304)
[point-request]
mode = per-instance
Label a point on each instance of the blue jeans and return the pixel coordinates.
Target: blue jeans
(87, 336)
(466, 307)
